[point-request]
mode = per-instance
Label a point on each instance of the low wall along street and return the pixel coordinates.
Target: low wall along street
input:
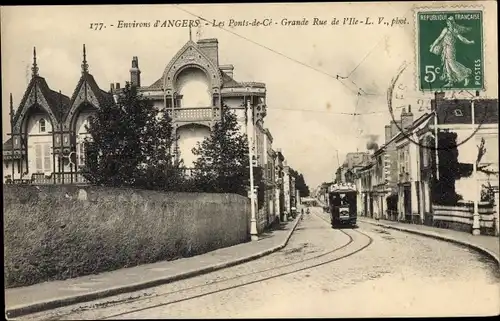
(59, 232)
(460, 217)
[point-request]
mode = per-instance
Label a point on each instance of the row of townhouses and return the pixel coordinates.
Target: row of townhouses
(439, 169)
(450, 182)
(48, 128)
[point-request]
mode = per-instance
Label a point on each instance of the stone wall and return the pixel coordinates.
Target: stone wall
(58, 232)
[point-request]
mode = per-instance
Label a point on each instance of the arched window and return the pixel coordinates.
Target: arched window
(41, 125)
(87, 123)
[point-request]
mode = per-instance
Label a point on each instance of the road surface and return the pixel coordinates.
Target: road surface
(323, 272)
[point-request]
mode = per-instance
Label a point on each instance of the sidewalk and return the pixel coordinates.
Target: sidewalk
(490, 245)
(50, 295)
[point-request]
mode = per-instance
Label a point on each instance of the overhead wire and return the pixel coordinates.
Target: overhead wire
(336, 76)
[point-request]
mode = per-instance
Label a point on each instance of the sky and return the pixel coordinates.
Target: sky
(315, 75)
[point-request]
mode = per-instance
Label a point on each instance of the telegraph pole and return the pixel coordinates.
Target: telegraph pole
(477, 194)
(250, 136)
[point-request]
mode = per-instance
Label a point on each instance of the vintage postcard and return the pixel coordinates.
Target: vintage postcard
(250, 160)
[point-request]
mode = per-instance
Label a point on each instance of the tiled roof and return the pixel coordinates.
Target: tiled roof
(228, 81)
(101, 95)
(58, 103)
(7, 145)
(157, 84)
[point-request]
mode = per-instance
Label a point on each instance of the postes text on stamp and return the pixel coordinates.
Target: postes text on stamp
(450, 50)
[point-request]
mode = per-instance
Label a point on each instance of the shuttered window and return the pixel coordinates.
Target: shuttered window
(47, 158)
(38, 157)
(81, 150)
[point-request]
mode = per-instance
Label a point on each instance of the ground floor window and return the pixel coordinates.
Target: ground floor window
(43, 157)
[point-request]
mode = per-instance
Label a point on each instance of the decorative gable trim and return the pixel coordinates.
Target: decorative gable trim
(191, 56)
(34, 96)
(85, 94)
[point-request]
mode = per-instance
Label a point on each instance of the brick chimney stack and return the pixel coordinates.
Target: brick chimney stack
(210, 47)
(228, 69)
(406, 118)
(388, 133)
(439, 97)
(135, 73)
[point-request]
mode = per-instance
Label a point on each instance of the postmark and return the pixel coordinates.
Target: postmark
(449, 49)
(456, 108)
(448, 58)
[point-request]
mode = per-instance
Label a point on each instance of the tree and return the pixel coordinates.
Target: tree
(131, 144)
(222, 164)
(300, 183)
(450, 170)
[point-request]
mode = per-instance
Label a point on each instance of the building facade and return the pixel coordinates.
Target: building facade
(443, 167)
(414, 173)
(280, 190)
(48, 127)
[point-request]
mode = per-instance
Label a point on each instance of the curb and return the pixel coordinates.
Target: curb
(18, 311)
(442, 238)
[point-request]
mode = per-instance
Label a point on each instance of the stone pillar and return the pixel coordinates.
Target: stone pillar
(286, 192)
(414, 199)
(401, 204)
(497, 214)
(421, 196)
(277, 202)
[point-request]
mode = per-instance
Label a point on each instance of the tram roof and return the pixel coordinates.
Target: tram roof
(343, 188)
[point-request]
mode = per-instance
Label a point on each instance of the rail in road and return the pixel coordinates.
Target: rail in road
(357, 242)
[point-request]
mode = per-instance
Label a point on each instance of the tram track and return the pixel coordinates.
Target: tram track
(352, 246)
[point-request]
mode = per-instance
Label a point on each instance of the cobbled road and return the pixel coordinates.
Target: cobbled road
(323, 272)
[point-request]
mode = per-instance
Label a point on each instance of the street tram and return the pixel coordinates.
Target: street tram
(342, 204)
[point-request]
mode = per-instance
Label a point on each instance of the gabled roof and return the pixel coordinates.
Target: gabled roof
(58, 103)
(228, 81)
(157, 85)
(7, 145)
(101, 95)
(413, 126)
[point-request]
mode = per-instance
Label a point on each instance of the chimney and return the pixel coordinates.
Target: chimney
(135, 73)
(210, 47)
(395, 127)
(117, 86)
(112, 87)
(406, 118)
(438, 99)
(388, 133)
(228, 69)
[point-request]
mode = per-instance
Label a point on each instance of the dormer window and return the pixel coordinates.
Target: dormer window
(87, 123)
(41, 125)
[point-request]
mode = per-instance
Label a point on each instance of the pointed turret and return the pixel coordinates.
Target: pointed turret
(85, 65)
(11, 110)
(34, 69)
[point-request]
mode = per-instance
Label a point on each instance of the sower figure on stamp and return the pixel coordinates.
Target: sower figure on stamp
(444, 45)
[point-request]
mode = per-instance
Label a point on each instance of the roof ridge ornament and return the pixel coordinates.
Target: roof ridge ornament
(11, 107)
(34, 69)
(85, 65)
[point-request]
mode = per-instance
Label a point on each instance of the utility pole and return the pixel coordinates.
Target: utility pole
(477, 194)
(250, 136)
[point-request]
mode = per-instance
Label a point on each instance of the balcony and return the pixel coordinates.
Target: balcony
(194, 114)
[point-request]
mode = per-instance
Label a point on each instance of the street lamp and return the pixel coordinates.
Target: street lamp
(250, 136)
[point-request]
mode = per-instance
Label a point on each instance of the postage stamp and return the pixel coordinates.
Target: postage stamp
(450, 49)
